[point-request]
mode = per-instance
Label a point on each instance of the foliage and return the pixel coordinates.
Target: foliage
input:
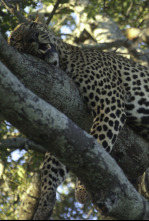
(67, 208)
(18, 171)
(123, 12)
(19, 167)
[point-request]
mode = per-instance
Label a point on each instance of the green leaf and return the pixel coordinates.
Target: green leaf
(64, 1)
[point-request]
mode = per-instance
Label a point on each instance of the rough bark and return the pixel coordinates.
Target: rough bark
(132, 153)
(115, 196)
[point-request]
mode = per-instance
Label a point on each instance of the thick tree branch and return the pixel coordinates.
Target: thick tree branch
(74, 147)
(55, 87)
(50, 81)
(131, 153)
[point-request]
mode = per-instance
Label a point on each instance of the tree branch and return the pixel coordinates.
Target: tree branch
(53, 11)
(20, 143)
(13, 11)
(55, 87)
(115, 196)
(119, 43)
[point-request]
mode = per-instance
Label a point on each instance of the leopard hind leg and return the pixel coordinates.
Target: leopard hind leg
(52, 175)
(81, 194)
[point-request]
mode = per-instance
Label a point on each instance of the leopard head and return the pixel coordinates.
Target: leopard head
(33, 38)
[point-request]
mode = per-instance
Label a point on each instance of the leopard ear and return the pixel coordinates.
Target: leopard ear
(40, 18)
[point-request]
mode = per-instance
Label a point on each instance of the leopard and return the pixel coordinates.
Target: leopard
(116, 90)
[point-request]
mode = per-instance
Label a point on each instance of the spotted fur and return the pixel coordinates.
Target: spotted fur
(114, 88)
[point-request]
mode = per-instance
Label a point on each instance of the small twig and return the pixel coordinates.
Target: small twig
(53, 11)
(89, 213)
(104, 6)
(2, 168)
(57, 27)
(18, 6)
(13, 11)
(60, 194)
(130, 8)
(118, 43)
(141, 23)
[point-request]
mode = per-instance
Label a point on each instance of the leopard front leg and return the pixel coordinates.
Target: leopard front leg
(108, 121)
(52, 175)
(106, 127)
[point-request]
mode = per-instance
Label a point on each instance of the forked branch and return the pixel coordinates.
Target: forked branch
(14, 11)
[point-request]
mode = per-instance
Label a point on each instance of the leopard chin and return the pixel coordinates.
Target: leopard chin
(48, 53)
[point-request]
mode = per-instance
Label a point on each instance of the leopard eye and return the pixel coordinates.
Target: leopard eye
(36, 35)
(33, 37)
